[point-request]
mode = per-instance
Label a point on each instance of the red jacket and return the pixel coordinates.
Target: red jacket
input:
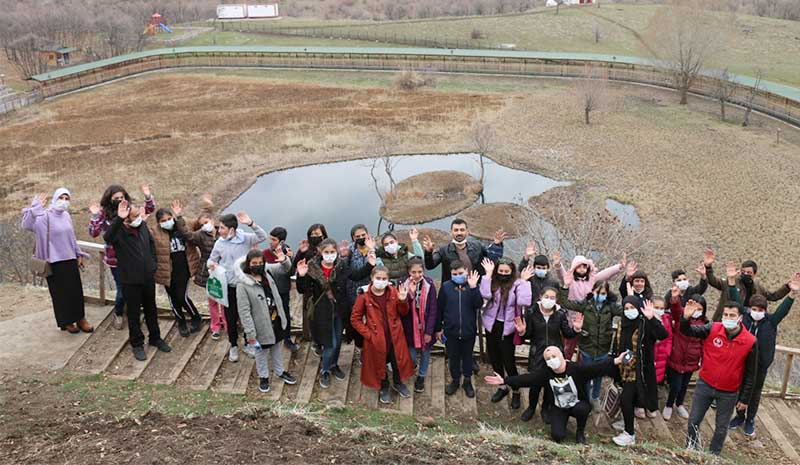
(373, 369)
(663, 348)
(687, 352)
(724, 360)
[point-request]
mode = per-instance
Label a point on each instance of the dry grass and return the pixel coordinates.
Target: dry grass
(486, 219)
(429, 196)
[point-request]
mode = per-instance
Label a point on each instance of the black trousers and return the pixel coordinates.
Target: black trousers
(141, 298)
(459, 357)
(232, 317)
(650, 401)
(560, 416)
(533, 397)
(630, 399)
(66, 292)
(287, 311)
(501, 351)
(392, 360)
(755, 396)
(179, 296)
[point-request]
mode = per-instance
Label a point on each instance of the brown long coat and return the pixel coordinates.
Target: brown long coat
(373, 369)
(163, 261)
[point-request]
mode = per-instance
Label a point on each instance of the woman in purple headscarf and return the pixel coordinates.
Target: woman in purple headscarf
(56, 244)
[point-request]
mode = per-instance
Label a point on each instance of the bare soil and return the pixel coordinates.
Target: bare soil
(485, 219)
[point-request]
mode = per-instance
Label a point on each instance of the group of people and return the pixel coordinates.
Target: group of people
(375, 293)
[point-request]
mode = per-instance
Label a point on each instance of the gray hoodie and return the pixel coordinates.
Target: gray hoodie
(227, 251)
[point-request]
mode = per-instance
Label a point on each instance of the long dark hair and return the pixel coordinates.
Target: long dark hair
(105, 201)
(505, 288)
(314, 227)
(250, 256)
(598, 285)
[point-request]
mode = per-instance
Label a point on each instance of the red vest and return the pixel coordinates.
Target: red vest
(724, 360)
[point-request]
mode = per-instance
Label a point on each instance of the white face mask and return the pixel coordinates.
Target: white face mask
(631, 313)
(329, 257)
(757, 316)
(547, 304)
(61, 204)
(697, 314)
(380, 284)
(460, 242)
(730, 324)
(167, 225)
(231, 234)
(392, 248)
(208, 227)
(659, 312)
(553, 363)
(136, 223)
(682, 284)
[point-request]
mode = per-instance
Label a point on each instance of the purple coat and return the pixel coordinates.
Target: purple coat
(431, 313)
(519, 294)
(62, 245)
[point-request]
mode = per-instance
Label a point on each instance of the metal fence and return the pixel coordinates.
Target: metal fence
(15, 101)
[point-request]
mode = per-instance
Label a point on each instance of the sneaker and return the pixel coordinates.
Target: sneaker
(618, 425)
(499, 395)
(624, 439)
(317, 350)
(736, 422)
(596, 406)
(338, 373)
(287, 378)
(714, 404)
(580, 437)
(161, 345)
(197, 323)
(138, 353)
(652, 414)
(183, 328)
(289, 344)
(384, 396)
(263, 385)
(516, 402)
(750, 428)
(233, 354)
(451, 388)
(325, 380)
(215, 335)
(419, 384)
(527, 414)
(249, 350)
(682, 412)
(667, 413)
(117, 322)
(469, 391)
(638, 412)
(401, 389)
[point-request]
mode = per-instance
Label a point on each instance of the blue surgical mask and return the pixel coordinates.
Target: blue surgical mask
(600, 298)
(459, 278)
(631, 313)
(541, 274)
(168, 225)
(730, 324)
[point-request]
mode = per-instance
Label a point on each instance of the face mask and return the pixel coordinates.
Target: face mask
(547, 304)
(115, 203)
(541, 274)
(136, 223)
(208, 227)
(600, 298)
(730, 324)
(682, 284)
(631, 313)
(329, 257)
(747, 280)
(231, 234)
(361, 241)
(638, 290)
(756, 316)
(459, 278)
(504, 278)
(314, 241)
(553, 363)
(460, 242)
(392, 248)
(257, 269)
(380, 284)
(697, 314)
(659, 312)
(168, 225)
(61, 205)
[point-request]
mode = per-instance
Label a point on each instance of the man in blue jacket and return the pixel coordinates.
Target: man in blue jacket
(459, 302)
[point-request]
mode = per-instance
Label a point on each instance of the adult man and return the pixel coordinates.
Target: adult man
(730, 355)
(463, 248)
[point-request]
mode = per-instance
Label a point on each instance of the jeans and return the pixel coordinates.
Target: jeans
(459, 357)
(593, 390)
(330, 355)
(678, 384)
(119, 301)
(138, 298)
(560, 416)
(703, 396)
(755, 398)
(424, 363)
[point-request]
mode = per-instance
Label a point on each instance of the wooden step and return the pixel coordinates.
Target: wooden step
(204, 364)
(166, 370)
(661, 429)
(99, 351)
(234, 377)
(436, 387)
(338, 390)
(765, 414)
(354, 385)
(791, 417)
(126, 367)
(309, 379)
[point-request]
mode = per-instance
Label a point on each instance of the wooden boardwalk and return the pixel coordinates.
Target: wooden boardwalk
(198, 362)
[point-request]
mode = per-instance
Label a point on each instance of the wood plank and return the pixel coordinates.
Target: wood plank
(202, 368)
(338, 389)
(276, 384)
(786, 413)
(166, 370)
(354, 387)
(234, 377)
(661, 429)
(406, 404)
(437, 384)
(310, 373)
(100, 349)
(126, 367)
(777, 435)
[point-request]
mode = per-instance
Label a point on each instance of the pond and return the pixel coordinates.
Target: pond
(625, 213)
(342, 194)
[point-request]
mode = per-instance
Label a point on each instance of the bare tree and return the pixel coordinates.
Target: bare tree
(558, 5)
(591, 89)
(683, 37)
(484, 138)
(25, 54)
(751, 96)
(383, 148)
(724, 89)
(16, 248)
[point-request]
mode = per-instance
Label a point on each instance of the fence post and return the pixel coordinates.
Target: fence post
(102, 282)
(787, 370)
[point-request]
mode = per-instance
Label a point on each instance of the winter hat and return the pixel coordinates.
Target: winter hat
(631, 300)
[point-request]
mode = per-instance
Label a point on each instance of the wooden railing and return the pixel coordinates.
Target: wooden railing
(100, 250)
(790, 352)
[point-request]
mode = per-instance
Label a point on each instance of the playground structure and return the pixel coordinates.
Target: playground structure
(156, 23)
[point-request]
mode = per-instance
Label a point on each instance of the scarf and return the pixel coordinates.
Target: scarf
(419, 300)
(628, 371)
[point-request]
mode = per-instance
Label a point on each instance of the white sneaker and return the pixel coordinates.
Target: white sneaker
(250, 351)
(233, 354)
(596, 407)
(618, 425)
(624, 439)
(639, 412)
(652, 414)
(682, 412)
(667, 413)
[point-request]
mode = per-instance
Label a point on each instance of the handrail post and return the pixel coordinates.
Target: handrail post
(787, 370)
(102, 280)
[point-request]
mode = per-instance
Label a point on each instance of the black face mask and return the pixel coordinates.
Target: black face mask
(504, 278)
(747, 280)
(361, 242)
(115, 203)
(314, 241)
(257, 269)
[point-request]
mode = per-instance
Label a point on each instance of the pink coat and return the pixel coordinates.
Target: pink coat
(663, 348)
(579, 289)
